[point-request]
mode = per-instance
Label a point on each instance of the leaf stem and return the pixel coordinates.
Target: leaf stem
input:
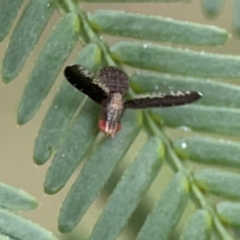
(194, 188)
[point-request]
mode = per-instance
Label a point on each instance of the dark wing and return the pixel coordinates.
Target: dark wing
(115, 79)
(86, 82)
(162, 99)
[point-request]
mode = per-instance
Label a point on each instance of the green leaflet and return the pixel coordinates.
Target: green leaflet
(4, 237)
(214, 93)
(95, 173)
(129, 191)
(201, 118)
(48, 65)
(236, 16)
(22, 229)
(140, 1)
(79, 140)
(164, 217)
(62, 109)
(8, 13)
(59, 115)
(72, 148)
(212, 8)
(156, 28)
(198, 227)
(210, 151)
(25, 36)
(15, 199)
(176, 60)
(229, 212)
(220, 183)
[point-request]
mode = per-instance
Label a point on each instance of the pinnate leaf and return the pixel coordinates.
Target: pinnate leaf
(201, 118)
(214, 93)
(129, 192)
(73, 147)
(229, 212)
(8, 12)
(164, 217)
(47, 66)
(95, 174)
(212, 8)
(156, 28)
(236, 17)
(176, 61)
(15, 199)
(63, 108)
(198, 227)
(140, 1)
(209, 150)
(221, 183)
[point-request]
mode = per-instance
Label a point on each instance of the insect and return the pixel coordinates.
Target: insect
(109, 87)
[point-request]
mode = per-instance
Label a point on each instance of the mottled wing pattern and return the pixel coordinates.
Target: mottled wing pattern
(162, 99)
(115, 79)
(86, 82)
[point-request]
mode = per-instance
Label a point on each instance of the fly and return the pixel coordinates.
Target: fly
(109, 87)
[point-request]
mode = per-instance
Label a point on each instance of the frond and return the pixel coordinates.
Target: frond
(12, 225)
(69, 132)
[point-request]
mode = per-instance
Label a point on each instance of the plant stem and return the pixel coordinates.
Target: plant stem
(194, 188)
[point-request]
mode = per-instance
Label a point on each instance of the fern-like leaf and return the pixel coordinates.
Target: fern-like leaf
(12, 226)
(69, 131)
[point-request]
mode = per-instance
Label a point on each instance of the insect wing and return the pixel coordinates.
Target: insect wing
(115, 79)
(162, 99)
(86, 82)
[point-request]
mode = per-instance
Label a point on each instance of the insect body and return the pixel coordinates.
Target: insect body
(109, 88)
